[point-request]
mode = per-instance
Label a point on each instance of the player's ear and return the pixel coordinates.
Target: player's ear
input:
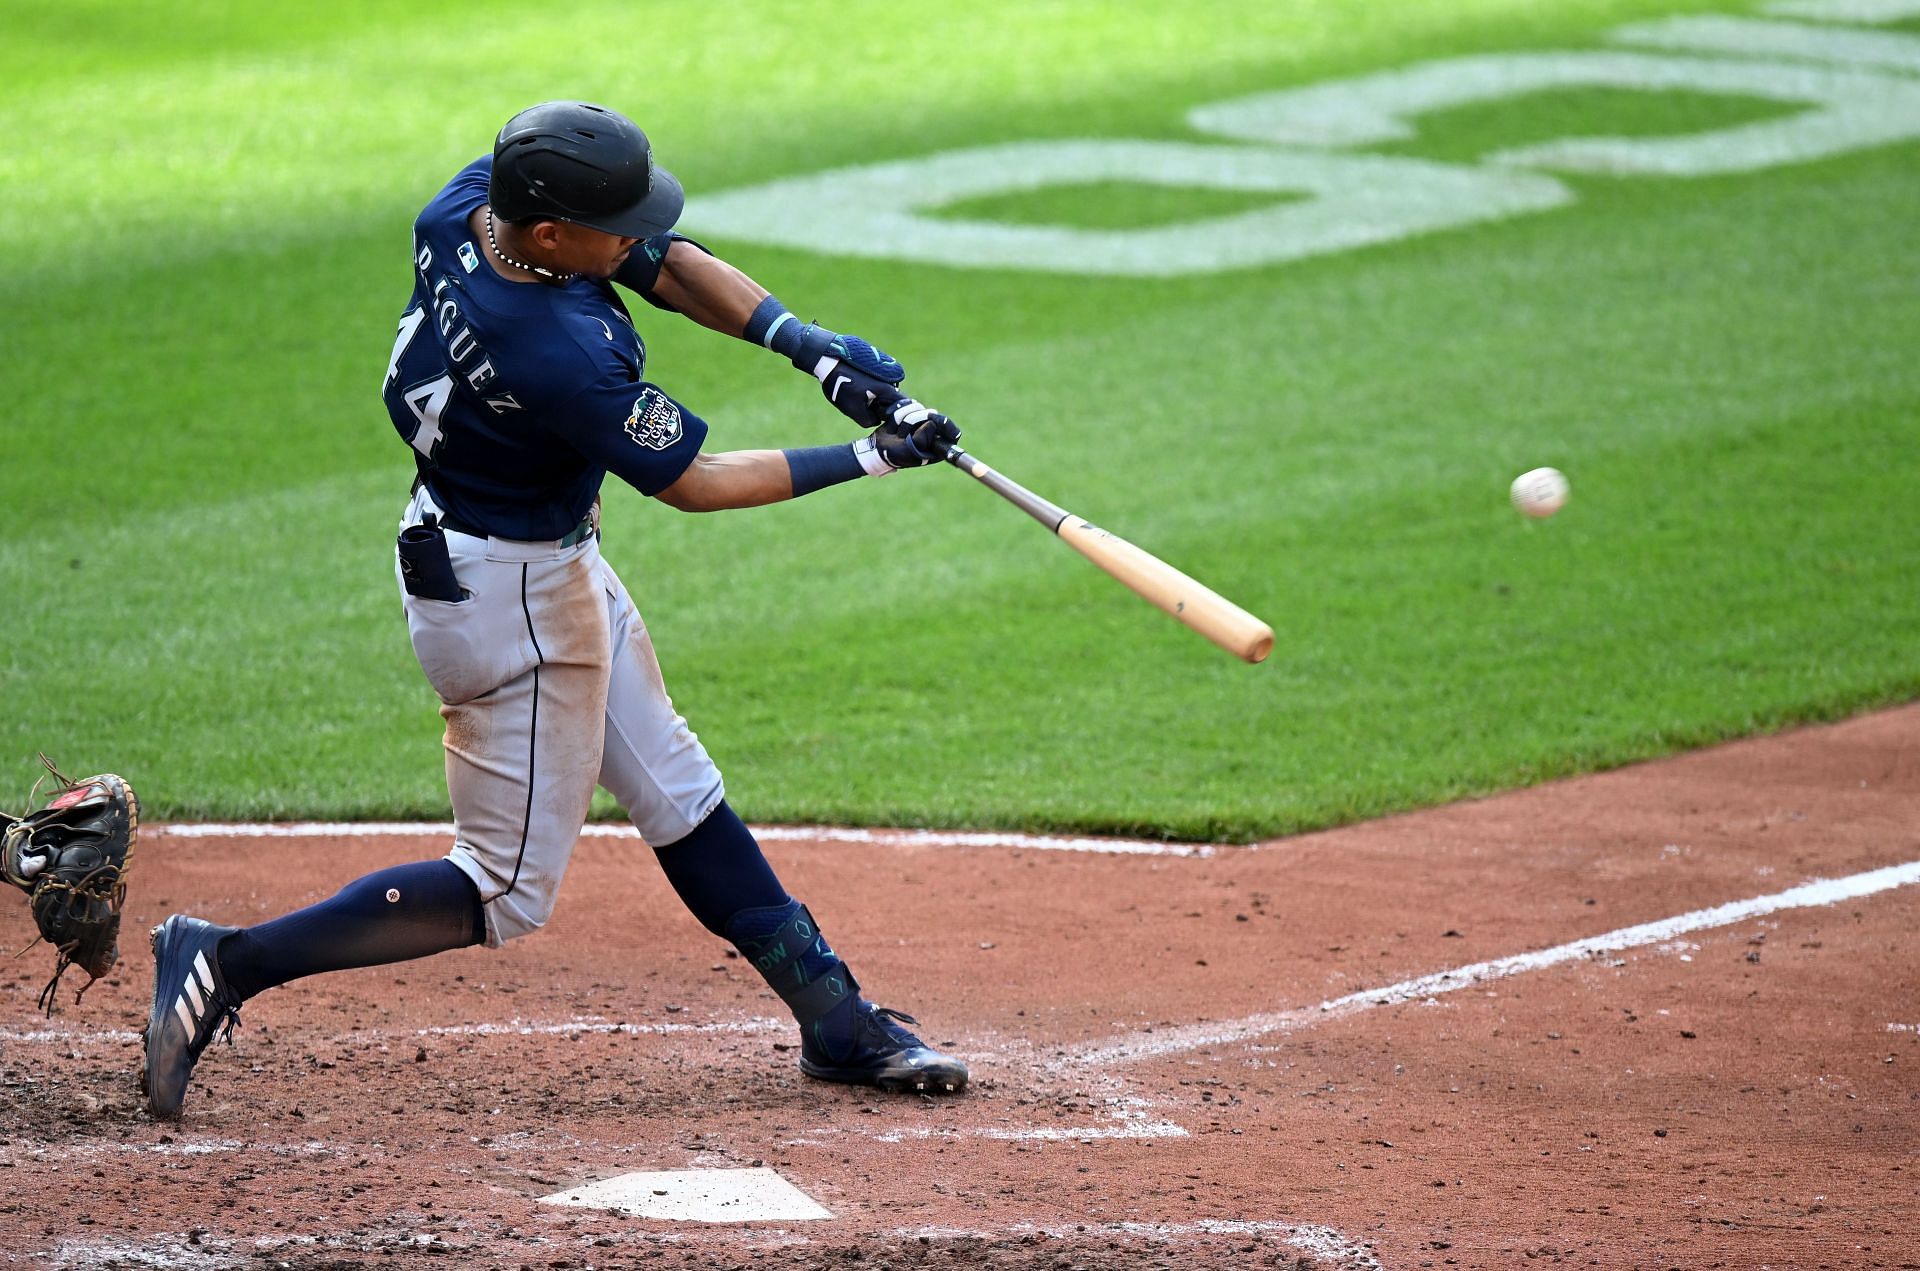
(546, 233)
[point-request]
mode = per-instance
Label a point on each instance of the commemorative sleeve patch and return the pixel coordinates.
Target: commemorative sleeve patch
(656, 422)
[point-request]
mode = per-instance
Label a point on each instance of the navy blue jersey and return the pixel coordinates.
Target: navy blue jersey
(519, 398)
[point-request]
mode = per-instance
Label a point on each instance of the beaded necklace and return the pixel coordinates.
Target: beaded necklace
(520, 264)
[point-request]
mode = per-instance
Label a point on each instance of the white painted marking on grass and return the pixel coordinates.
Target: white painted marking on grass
(891, 209)
(1869, 11)
(1903, 1028)
(765, 833)
(697, 1195)
(1820, 892)
(1844, 110)
(1800, 41)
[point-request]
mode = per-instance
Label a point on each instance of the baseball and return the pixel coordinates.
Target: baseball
(1541, 492)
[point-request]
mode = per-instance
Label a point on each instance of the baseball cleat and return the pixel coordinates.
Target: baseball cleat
(886, 1055)
(191, 1002)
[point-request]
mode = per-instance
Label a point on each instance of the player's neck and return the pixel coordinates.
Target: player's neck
(508, 255)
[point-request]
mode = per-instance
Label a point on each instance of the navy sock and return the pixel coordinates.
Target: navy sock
(394, 915)
(723, 877)
(719, 869)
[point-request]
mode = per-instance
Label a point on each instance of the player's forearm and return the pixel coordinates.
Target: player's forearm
(753, 478)
(731, 479)
(707, 289)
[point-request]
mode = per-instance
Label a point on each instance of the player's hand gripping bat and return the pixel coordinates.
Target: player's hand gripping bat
(1206, 611)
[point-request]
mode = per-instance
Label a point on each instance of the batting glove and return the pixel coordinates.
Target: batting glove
(858, 379)
(914, 435)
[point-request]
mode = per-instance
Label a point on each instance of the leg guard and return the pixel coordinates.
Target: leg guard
(786, 947)
(843, 1037)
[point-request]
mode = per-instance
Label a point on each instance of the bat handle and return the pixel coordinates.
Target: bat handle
(1048, 514)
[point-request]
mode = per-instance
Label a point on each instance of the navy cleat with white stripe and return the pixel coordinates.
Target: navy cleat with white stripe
(191, 1002)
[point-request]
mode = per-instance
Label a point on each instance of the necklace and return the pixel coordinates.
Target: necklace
(520, 264)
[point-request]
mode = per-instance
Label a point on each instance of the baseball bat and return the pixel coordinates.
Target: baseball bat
(1150, 578)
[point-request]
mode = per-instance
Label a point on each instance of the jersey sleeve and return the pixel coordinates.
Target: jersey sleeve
(633, 430)
(642, 268)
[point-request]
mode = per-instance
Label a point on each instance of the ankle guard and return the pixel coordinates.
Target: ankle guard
(795, 960)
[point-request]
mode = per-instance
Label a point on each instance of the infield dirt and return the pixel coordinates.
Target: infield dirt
(1747, 1094)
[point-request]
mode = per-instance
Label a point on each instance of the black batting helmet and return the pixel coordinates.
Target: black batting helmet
(574, 161)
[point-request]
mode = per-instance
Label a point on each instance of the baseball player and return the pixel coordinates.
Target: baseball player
(519, 382)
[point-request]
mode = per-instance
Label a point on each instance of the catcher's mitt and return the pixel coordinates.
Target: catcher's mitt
(71, 859)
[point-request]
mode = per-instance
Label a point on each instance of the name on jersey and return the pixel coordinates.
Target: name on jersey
(655, 422)
(463, 349)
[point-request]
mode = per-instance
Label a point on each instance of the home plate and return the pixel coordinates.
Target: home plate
(696, 1195)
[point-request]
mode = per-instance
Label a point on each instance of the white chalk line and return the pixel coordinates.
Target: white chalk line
(1325, 1242)
(1130, 1047)
(515, 1028)
(165, 1251)
(191, 1147)
(70, 1037)
(205, 1251)
(1045, 1134)
(179, 1249)
(1132, 1122)
(509, 1028)
(1129, 1117)
(765, 833)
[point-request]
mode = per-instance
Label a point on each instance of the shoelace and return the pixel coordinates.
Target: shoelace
(221, 1029)
(881, 1015)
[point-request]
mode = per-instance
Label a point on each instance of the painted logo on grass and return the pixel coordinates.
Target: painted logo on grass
(1854, 89)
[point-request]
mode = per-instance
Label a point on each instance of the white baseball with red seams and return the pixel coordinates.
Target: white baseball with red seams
(1541, 492)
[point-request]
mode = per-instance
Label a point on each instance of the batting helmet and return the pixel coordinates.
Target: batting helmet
(577, 162)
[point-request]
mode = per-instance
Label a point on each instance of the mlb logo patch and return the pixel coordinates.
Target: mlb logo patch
(655, 422)
(469, 257)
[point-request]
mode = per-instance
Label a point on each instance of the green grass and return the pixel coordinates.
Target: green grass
(207, 248)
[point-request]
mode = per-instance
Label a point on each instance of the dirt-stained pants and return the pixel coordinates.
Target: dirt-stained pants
(549, 684)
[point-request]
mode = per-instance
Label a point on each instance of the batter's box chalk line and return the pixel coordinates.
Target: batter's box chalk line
(1820, 892)
(1321, 1241)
